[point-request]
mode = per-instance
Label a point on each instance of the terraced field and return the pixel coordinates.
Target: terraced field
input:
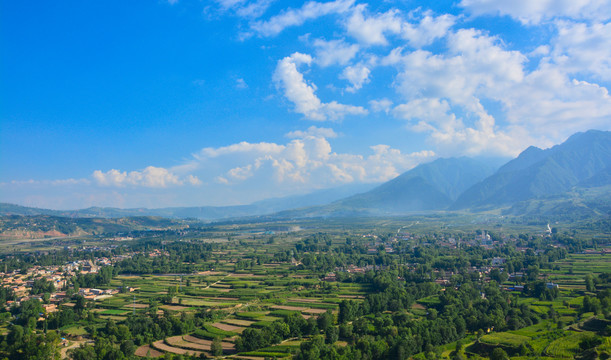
(247, 300)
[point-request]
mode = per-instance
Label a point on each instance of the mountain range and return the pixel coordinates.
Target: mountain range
(572, 176)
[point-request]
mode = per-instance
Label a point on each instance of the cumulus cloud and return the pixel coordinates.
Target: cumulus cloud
(334, 52)
(356, 75)
(534, 12)
(474, 62)
(295, 17)
(428, 29)
(583, 48)
(477, 69)
(451, 135)
(308, 159)
(300, 93)
(151, 176)
(474, 67)
(372, 30)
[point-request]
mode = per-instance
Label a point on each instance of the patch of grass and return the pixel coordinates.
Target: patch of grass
(504, 339)
(567, 346)
(251, 315)
(218, 332)
(114, 312)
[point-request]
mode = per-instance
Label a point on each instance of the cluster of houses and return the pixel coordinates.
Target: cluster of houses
(59, 276)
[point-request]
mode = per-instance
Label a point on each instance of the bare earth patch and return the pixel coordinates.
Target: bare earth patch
(146, 350)
(160, 345)
(178, 341)
(314, 311)
(227, 327)
(193, 339)
(238, 322)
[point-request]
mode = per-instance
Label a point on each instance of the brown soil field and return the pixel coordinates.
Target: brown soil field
(160, 345)
(145, 349)
(238, 322)
(419, 307)
(227, 327)
(209, 273)
(194, 340)
(178, 341)
(314, 311)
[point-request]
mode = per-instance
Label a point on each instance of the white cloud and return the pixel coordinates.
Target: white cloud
(313, 131)
(474, 63)
(244, 8)
(534, 12)
(151, 176)
(334, 52)
(583, 48)
(241, 84)
(300, 93)
(475, 70)
(428, 29)
(371, 30)
(381, 105)
(193, 180)
(245, 147)
(550, 102)
(295, 17)
(434, 116)
(311, 162)
(356, 75)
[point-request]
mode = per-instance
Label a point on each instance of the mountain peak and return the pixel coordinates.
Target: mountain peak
(536, 173)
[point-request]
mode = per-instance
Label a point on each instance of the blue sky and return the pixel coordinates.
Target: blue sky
(184, 103)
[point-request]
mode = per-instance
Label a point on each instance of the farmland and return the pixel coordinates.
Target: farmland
(369, 289)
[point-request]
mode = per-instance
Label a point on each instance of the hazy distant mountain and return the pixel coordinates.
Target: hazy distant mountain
(583, 158)
(430, 186)
(319, 197)
(573, 177)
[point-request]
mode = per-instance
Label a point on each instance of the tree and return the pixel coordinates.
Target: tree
(325, 321)
(498, 354)
(332, 335)
(216, 347)
(84, 352)
(79, 305)
(128, 348)
(590, 283)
